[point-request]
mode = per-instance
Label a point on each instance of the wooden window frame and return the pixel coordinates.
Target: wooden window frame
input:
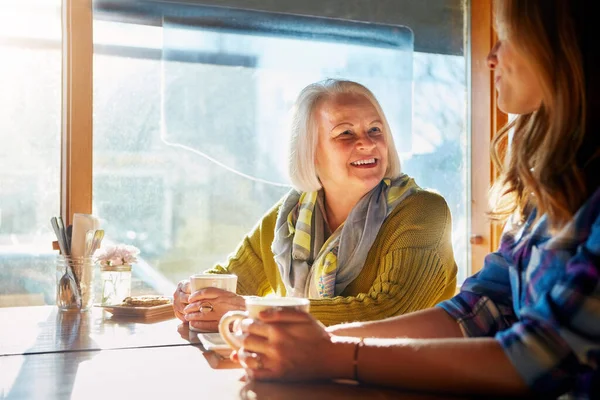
(485, 121)
(77, 108)
(77, 125)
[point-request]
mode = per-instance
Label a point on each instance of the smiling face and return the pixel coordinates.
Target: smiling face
(352, 152)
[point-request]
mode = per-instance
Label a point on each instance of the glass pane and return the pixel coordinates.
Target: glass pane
(130, 175)
(30, 104)
(227, 93)
(188, 142)
(439, 158)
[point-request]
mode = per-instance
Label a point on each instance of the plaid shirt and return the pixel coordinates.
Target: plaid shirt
(539, 297)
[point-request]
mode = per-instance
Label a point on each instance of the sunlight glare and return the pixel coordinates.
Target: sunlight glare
(30, 19)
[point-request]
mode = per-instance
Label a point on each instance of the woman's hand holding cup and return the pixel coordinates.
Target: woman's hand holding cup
(207, 306)
(204, 298)
(280, 340)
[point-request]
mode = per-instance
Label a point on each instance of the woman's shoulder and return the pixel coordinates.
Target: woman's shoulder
(422, 219)
(423, 204)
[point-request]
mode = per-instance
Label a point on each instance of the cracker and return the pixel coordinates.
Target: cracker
(146, 301)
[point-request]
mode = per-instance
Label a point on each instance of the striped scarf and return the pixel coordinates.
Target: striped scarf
(313, 267)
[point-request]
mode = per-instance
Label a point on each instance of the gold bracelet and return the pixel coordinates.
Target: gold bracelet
(357, 346)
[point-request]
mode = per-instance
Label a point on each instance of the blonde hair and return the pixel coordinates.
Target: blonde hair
(545, 166)
(304, 131)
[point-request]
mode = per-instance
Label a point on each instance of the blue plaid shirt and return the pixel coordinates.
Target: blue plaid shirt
(539, 297)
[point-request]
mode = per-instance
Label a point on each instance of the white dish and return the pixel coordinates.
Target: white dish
(214, 342)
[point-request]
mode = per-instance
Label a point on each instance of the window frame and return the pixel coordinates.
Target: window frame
(486, 119)
(77, 109)
(77, 114)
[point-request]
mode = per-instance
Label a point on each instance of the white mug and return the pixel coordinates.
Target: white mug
(221, 281)
(254, 305)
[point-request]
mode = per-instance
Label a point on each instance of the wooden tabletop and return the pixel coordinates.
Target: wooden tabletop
(48, 354)
(31, 330)
(157, 373)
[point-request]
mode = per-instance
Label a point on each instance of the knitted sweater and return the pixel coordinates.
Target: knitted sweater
(409, 267)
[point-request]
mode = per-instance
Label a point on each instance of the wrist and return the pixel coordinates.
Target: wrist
(341, 359)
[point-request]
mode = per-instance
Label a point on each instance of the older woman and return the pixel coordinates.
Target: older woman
(355, 235)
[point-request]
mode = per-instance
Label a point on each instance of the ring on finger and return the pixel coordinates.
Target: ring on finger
(205, 307)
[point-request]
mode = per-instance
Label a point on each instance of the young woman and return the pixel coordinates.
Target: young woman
(355, 235)
(529, 321)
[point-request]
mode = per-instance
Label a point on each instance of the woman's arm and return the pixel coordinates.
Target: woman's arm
(293, 346)
(478, 314)
(430, 323)
(446, 365)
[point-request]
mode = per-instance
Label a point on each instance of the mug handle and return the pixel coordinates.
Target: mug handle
(226, 320)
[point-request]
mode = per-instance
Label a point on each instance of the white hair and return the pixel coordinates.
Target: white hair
(304, 132)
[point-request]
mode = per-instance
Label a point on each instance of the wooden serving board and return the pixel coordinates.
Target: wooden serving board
(163, 310)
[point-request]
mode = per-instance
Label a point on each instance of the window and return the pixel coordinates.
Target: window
(30, 117)
(163, 167)
(189, 118)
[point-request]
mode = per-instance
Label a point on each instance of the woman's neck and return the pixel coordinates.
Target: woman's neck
(338, 207)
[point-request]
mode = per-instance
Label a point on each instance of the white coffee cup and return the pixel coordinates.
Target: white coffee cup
(220, 281)
(254, 305)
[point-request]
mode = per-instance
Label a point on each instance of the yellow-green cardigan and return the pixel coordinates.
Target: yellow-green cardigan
(409, 267)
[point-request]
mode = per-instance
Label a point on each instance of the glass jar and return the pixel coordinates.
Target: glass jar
(116, 283)
(74, 282)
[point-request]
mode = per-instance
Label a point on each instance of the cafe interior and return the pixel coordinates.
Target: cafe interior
(142, 140)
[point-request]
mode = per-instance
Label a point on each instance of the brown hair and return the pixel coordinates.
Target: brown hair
(554, 151)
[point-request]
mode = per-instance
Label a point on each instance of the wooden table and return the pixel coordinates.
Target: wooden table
(42, 329)
(47, 354)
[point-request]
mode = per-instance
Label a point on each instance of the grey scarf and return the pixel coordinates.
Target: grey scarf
(324, 268)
